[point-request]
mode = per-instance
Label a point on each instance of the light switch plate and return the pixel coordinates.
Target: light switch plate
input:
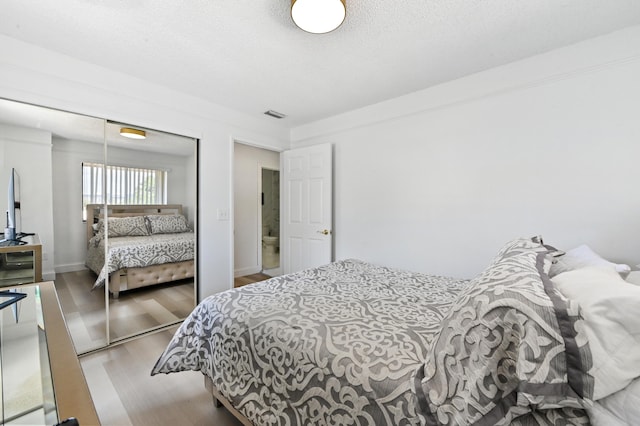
(223, 214)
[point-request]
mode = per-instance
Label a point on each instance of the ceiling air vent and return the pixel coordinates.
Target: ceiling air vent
(274, 114)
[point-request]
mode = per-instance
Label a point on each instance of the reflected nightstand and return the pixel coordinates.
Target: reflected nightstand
(21, 264)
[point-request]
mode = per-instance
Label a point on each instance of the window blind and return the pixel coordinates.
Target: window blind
(122, 185)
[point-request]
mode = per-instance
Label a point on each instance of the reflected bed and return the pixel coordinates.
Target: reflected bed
(147, 245)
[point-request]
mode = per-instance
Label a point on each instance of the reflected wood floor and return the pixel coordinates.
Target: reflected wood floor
(133, 312)
(125, 393)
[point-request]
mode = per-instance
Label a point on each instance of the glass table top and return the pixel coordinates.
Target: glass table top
(26, 388)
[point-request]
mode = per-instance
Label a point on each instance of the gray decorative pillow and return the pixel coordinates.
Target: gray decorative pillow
(509, 346)
(167, 224)
(131, 226)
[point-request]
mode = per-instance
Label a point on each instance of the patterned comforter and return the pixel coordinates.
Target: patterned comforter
(320, 346)
(349, 344)
(138, 251)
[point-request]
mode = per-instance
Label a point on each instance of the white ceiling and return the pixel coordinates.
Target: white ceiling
(248, 55)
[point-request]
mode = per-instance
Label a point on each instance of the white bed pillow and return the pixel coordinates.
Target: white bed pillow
(621, 408)
(611, 310)
(583, 256)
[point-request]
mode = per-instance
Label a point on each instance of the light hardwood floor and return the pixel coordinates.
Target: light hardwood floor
(248, 279)
(125, 393)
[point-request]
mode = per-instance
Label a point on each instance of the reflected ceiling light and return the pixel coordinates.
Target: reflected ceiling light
(130, 133)
(318, 16)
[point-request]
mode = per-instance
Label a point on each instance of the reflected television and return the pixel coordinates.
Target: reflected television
(11, 234)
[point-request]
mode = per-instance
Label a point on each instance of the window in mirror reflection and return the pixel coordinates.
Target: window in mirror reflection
(124, 185)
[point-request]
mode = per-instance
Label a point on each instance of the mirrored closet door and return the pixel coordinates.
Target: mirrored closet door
(151, 206)
(46, 148)
(84, 190)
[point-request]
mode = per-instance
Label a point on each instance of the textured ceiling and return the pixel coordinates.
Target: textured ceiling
(249, 56)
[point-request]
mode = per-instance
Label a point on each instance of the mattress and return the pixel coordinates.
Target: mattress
(138, 251)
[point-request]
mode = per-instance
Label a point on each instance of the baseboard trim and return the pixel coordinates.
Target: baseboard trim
(246, 271)
(275, 272)
(71, 267)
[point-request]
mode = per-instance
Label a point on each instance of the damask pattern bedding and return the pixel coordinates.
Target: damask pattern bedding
(347, 343)
(138, 251)
(510, 343)
(320, 346)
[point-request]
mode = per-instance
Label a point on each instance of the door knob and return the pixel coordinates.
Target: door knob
(324, 232)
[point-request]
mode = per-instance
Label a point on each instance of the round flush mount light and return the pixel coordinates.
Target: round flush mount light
(130, 133)
(318, 16)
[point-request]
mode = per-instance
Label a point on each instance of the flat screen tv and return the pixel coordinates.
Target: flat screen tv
(11, 234)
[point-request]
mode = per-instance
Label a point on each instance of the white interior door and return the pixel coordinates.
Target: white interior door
(307, 208)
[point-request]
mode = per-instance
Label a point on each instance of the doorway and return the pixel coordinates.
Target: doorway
(256, 217)
(270, 215)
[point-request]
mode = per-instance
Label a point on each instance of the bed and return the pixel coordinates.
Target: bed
(362, 344)
(147, 245)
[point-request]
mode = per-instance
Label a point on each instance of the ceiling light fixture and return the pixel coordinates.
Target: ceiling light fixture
(318, 16)
(130, 133)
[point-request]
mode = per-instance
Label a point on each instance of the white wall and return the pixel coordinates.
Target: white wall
(438, 180)
(42, 77)
(29, 152)
(70, 231)
(247, 166)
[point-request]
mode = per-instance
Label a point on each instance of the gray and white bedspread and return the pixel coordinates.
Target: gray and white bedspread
(332, 345)
(138, 251)
(351, 343)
